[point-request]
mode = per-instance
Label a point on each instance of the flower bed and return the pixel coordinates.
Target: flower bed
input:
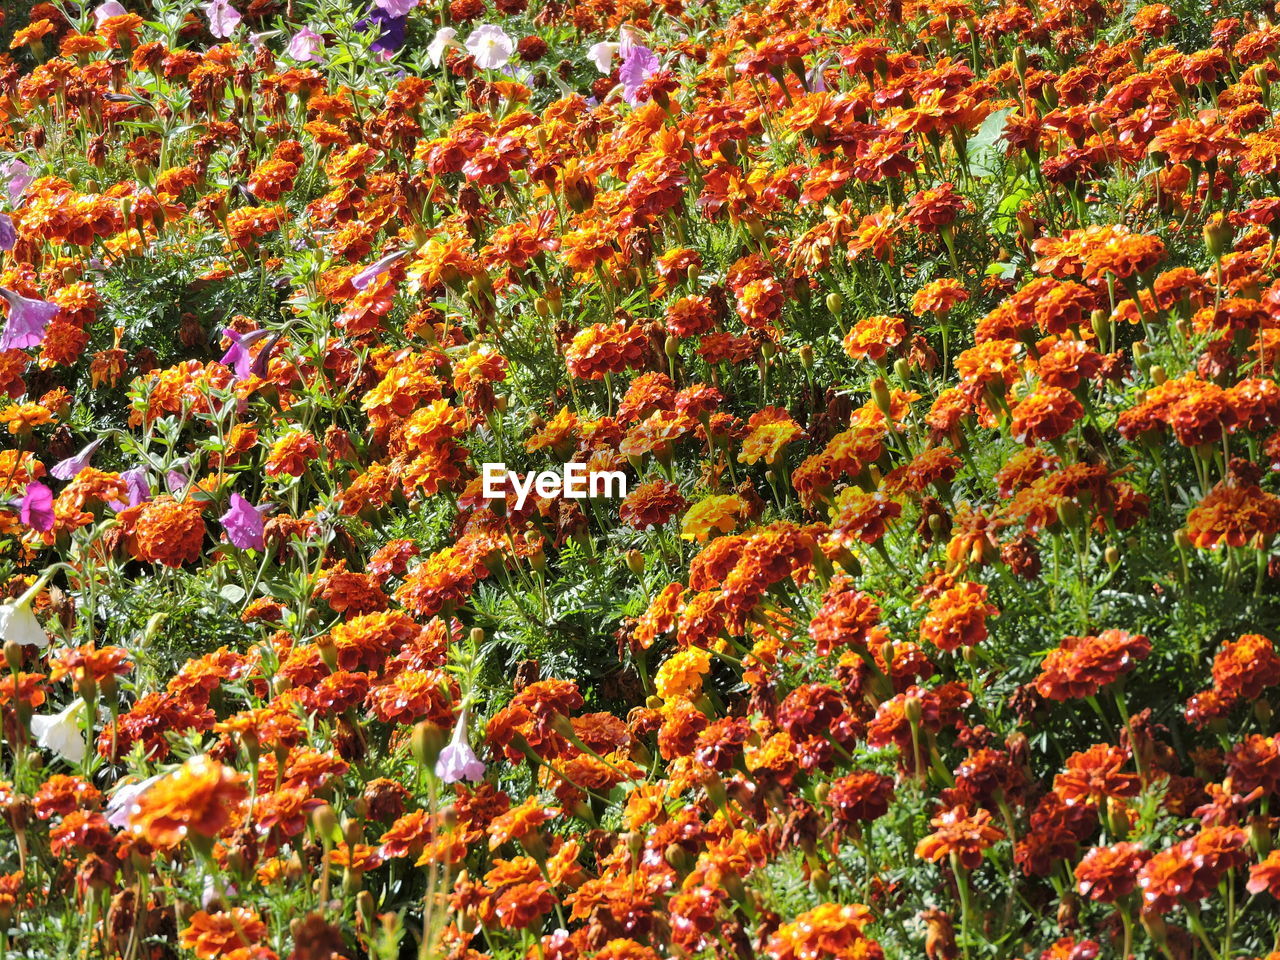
(932, 348)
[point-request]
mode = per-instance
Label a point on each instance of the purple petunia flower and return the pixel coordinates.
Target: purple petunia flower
(305, 45)
(107, 10)
(395, 8)
(17, 177)
(376, 269)
(68, 468)
(639, 64)
(121, 804)
(238, 356)
(139, 487)
(176, 479)
(28, 319)
(223, 18)
(35, 509)
(458, 761)
(8, 235)
(244, 524)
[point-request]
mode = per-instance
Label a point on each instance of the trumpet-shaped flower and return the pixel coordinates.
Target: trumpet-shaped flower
(28, 320)
(444, 38)
(18, 623)
(458, 761)
(63, 732)
(491, 47)
(105, 11)
(223, 18)
(68, 468)
(243, 523)
(35, 507)
(305, 45)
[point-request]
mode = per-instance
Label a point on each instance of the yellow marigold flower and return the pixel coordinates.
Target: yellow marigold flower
(720, 512)
(681, 675)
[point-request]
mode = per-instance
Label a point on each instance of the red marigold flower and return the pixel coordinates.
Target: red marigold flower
(1095, 775)
(1081, 666)
(1245, 667)
(1266, 875)
(1106, 874)
(860, 797)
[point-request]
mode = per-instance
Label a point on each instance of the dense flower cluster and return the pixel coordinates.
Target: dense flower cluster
(936, 340)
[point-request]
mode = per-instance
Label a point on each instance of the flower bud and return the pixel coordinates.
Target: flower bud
(325, 822)
(1068, 513)
(884, 400)
(635, 562)
(913, 710)
(1218, 234)
(427, 741)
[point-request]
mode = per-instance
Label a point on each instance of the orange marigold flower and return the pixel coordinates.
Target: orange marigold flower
(1095, 775)
(1266, 875)
(1234, 515)
(720, 512)
(829, 930)
(1045, 414)
(291, 453)
(961, 834)
(197, 802)
(874, 337)
(1106, 874)
(768, 431)
(958, 617)
(166, 530)
(1081, 666)
(212, 935)
(519, 822)
(1246, 667)
(938, 297)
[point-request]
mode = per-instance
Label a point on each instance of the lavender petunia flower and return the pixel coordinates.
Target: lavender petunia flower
(238, 356)
(223, 18)
(395, 8)
(28, 319)
(816, 81)
(68, 468)
(376, 269)
(244, 524)
(458, 761)
(8, 235)
(120, 806)
(17, 177)
(176, 478)
(35, 508)
(139, 488)
(107, 10)
(305, 46)
(490, 46)
(639, 64)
